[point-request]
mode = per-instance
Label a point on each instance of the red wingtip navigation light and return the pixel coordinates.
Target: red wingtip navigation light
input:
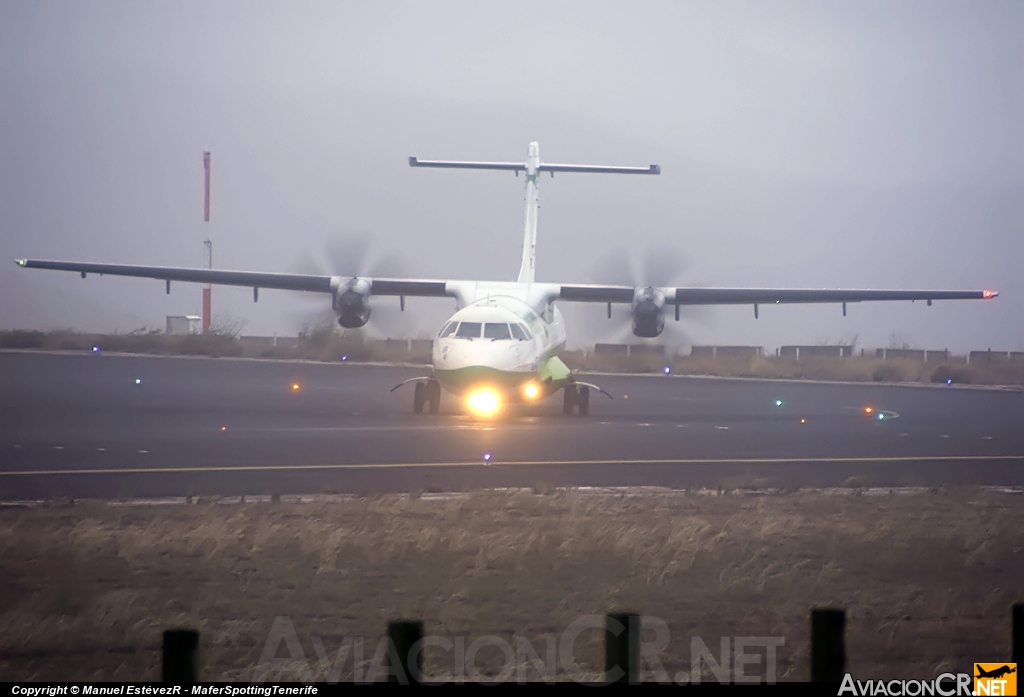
(988, 294)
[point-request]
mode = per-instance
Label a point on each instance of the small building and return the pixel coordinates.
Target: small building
(181, 325)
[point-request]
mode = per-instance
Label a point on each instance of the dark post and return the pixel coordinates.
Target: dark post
(622, 648)
(402, 635)
(181, 656)
(1017, 655)
(828, 650)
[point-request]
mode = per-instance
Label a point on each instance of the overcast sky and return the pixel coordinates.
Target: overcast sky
(859, 144)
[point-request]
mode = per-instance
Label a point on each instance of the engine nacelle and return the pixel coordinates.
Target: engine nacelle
(648, 312)
(352, 303)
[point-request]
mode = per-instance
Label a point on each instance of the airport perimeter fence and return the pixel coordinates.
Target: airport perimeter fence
(181, 654)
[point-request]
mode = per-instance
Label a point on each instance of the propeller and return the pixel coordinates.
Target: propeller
(660, 267)
(351, 256)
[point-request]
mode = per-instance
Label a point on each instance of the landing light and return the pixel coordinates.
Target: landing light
(778, 402)
(667, 369)
(868, 410)
(296, 387)
(487, 457)
(531, 390)
(484, 402)
(138, 381)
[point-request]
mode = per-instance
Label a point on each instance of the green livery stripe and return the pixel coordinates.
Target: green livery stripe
(553, 374)
(462, 379)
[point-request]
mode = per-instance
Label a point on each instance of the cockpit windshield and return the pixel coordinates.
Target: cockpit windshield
(468, 330)
(519, 331)
(448, 330)
(494, 331)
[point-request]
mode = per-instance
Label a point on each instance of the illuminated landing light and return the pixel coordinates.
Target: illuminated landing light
(223, 428)
(869, 410)
(138, 381)
(778, 402)
(296, 387)
(531, 390)
(484, 402)
(803, 421)
(881, 417)
(667, 370)
(487, 457)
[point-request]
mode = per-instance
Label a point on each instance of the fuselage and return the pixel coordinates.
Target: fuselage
(502, 341)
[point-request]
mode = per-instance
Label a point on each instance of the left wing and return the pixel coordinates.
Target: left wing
(749, 296)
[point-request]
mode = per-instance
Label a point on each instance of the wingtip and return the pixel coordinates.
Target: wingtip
(413, 162)
(655, 169)
(21, 262)
(989, 294)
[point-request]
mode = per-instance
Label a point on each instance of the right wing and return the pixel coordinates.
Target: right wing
(253, 279)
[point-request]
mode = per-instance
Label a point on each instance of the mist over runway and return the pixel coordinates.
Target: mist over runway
(104, 426)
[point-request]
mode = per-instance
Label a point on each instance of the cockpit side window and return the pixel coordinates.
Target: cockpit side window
(493, 330)
(448, 330)
(521, 332)
(468, 330)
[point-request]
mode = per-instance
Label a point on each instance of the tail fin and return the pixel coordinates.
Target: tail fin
(532, 167)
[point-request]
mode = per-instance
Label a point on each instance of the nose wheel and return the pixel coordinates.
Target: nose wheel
(577, 398)
(427, 394)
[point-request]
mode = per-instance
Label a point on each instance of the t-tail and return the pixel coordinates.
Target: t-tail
(533, 168)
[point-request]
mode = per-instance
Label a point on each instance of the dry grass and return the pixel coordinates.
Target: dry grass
(927, 579)
(854, 369)
(329, 346)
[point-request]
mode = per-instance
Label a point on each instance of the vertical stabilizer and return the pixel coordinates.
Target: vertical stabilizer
(532, 167)
(528, 269)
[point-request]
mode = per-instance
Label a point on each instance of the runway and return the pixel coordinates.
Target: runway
(103, 426)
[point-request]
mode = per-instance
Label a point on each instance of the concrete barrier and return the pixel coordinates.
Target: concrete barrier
(726, 351)
(799, 352)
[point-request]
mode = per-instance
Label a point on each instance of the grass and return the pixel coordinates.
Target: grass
(330, 347)
(927, 579)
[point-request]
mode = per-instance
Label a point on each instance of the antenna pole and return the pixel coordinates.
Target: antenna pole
(208, 289)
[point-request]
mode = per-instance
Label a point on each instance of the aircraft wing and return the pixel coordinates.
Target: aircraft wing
(750, 296)
(252, 279)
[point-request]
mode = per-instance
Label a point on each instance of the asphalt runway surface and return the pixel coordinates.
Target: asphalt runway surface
(105, 426)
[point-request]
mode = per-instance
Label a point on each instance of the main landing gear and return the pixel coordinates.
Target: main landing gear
(427, 394)
(577, 397)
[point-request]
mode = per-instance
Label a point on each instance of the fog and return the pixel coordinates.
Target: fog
(857, 145)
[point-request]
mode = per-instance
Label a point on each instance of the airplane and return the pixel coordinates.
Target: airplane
(995, 672)
(504, 342)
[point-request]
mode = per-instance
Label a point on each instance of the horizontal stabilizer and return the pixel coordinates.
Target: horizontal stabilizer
(454, 164)
(600, 169)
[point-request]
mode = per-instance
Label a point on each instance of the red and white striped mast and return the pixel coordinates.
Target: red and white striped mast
(208, 290)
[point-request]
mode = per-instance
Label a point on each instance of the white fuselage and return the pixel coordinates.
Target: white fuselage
(500, 338)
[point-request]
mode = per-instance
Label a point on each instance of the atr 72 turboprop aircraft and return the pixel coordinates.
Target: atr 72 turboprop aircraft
(504, 341)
